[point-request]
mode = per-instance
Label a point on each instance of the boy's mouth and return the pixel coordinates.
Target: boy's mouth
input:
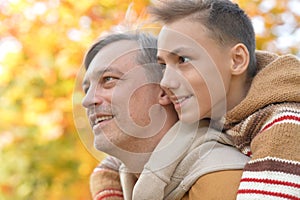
(182, 99)
(178, 102)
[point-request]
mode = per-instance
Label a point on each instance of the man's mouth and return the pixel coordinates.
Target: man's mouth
(102, 119)
(98, 119)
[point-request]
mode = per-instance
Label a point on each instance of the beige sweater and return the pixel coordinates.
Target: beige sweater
(184, 154)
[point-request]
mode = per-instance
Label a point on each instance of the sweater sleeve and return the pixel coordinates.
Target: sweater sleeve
(216, 185)
(274, 170)
(105, 180)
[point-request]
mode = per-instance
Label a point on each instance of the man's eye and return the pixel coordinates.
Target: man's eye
(183, 59)
(85, 90)
(108, 79)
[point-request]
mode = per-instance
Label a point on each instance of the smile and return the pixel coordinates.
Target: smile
(99, 118)
(102, 119)
(101, 122)
(182, 99)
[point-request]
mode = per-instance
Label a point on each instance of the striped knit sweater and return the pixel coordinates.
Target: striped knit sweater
(266, 126)
(105, 180)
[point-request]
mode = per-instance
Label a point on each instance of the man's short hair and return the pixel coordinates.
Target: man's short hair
(227, 23)
(146, 56)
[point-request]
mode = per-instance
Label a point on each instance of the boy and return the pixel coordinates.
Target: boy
(208, 48)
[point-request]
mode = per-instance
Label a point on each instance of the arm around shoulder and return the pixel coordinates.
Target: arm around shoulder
(105, 181)
(221, 185)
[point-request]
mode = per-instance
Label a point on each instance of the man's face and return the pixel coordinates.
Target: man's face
(197, 74)
(118, 98)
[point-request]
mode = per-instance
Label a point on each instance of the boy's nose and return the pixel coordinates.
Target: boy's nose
(170, 79)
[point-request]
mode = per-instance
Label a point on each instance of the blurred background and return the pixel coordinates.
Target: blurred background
(42, 44)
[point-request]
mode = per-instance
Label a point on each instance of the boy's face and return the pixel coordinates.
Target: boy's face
(197, 74)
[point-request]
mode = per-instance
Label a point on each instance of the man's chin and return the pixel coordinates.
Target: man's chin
(103, 144)
(103, 147)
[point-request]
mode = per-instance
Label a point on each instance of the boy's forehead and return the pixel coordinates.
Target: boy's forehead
(175, 41)
(184, 33)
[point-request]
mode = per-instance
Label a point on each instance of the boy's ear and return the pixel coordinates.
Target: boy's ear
(163, 98)
(240, 58)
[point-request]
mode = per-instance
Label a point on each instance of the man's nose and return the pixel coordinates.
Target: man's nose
(170, 79)
(92, 97)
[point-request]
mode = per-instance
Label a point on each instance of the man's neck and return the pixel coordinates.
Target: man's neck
(136, 158)
(134, 162)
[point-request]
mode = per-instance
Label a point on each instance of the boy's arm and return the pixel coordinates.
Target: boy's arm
(274, 170)
(217, 185)
(105, 180)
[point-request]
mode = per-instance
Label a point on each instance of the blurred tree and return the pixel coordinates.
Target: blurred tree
(42, 44)
(277, 24)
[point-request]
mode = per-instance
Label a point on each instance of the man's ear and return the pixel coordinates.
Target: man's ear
(163, 98)
(240, 58)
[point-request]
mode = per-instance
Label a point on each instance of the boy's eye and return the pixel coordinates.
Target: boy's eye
(183, 59)
(163, 67)
(162, 64)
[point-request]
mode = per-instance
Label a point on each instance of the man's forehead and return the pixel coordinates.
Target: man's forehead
(115, 51)
(117, 57)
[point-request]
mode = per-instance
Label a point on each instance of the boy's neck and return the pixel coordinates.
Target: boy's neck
(238, 91)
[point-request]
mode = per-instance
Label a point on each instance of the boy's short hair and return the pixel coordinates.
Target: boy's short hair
(226, 21)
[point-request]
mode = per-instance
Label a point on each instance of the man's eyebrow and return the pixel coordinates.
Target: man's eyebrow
(108, 69)
(99, 73)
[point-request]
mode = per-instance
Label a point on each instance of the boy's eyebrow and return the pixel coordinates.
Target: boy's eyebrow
(176, 51)
(180, 50)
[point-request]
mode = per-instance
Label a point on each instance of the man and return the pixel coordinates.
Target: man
(134, 121)
(212, 71)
